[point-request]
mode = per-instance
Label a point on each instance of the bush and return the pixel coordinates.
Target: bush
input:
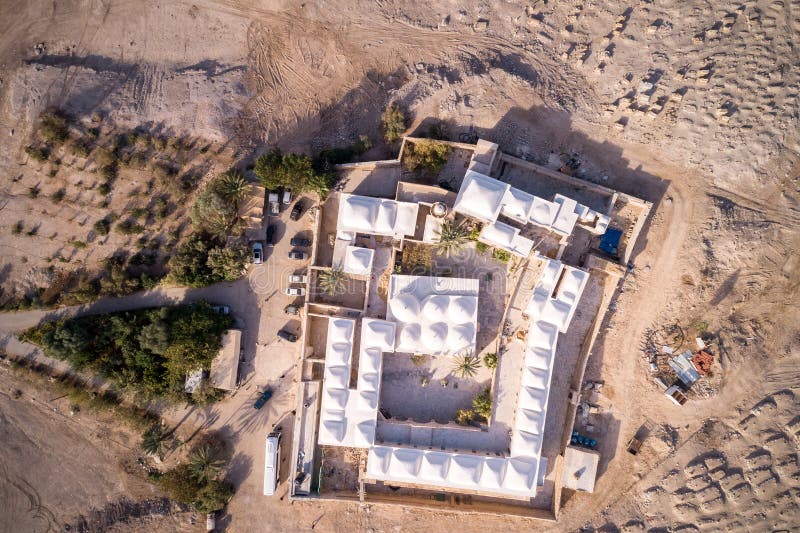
(104, 188)
(464, 416)
(80, 245)
(393, 123)
(482, 404)
(101, 227)
(81, 148)
(160, 208)
(18, 227)
(58, 195)
(139, 212)
(37, 153)
(501, 255)
(33, 192)
(210, 212)
(490, 360)
(363, 144)
(129, 227)
(227, 264)
(426, 156)
(53, 127)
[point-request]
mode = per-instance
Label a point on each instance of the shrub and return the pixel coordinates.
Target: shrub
(466, 366)
(33, 231)
(104, 188)
(78, 244)
(58, 195)
(81, 148)
(18, 227)
(464, 416)
(139, 212)
(33, 192)
(104, 157)
(227, 264)
(160, 208)
(210, 212)
(490, 360)
(53, 127)
(426, 156)
(109, 172)
(363, 144)
(501, 255)
(101, 227)
(129, 227)
(482, 404)
(393, 123)
(37, 153)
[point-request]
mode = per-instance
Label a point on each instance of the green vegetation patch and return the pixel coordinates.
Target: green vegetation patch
(150, 351)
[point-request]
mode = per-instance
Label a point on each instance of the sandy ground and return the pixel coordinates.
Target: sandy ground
(692, 106)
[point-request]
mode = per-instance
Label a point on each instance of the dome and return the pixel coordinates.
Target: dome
(460, 337)
(405, 307)
(409, 337)
(435, 337)
(462, 309)
(435, 307)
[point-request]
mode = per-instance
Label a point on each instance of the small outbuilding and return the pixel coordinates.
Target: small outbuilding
(225, 366)
(580, 468)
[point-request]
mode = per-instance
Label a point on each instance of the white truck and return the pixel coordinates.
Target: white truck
(272, 463)
(274, 204)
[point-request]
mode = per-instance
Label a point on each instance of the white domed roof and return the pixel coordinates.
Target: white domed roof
(435, 307)
(460, 337)
(462, 309)
(405, 307)
(435, 336)
(409, 336)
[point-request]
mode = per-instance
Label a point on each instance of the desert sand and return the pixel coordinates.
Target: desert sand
(690, 105)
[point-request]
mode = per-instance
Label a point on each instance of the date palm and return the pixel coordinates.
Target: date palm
(206, 462)
(154, 439)
(467, 365)
(232, 187)
(332, 281)
(452, 237)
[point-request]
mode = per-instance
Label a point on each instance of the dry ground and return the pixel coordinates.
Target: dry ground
(690, 105)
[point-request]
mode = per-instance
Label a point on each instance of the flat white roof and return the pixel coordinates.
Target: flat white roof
(225, 366)
(348, 416)
(434, 316)
(580, 468)
(375, 216)
(507, 237)
(358, 261)
(480, 196)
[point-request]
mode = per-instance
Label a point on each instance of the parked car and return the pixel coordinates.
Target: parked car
(297, 210)
(258, 253)
(274, 206)
(263, 398)
(287, 336)
(299, 241)
(291, 310)
(270, 235)
(295, 291)
(297, 278)
(287, 196)
(221, 309)
(295, 254)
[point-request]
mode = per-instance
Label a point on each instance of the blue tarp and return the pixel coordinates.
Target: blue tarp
(610, 241)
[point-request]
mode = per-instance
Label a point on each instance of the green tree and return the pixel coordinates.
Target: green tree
(227, 264)
(181, 484)
(393, 123)
(332, 281)
(482, 404)
(206, 462)
(466, 366)
(452, 237)
(189, 264)
(266, 168)
(154, 439)
(210, 212)
(490, 360)
(53, 127)
(154, 337)
(214, 496)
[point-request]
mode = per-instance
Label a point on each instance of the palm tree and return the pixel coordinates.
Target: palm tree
(467, 365)
(154, 439)
(232, 187)
(206, 462)
(452, 237)
(332, 281)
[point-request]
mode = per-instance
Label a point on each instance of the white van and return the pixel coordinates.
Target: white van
(272, 463)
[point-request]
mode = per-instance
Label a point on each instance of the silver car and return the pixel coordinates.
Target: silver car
(297, 278)
(258, 253)
(296, 291)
